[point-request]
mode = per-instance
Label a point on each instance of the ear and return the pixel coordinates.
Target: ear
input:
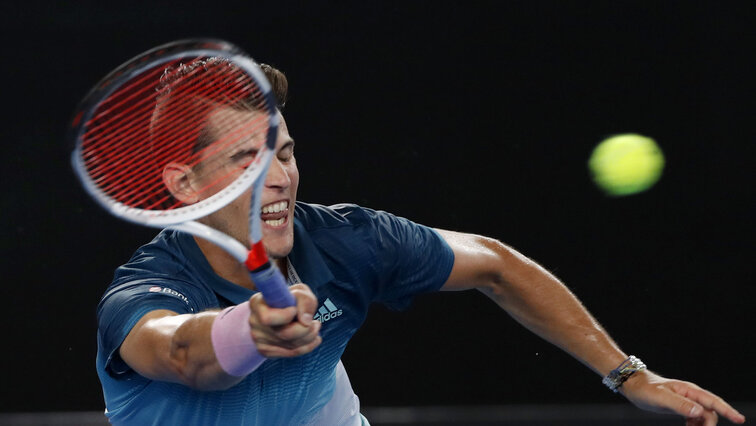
(177, 178)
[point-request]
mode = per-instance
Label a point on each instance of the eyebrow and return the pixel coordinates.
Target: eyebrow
(288, 142)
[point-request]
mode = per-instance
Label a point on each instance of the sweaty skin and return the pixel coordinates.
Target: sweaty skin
(177, 348)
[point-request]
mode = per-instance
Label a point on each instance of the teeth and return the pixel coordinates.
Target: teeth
(276, 207)
(277, 222)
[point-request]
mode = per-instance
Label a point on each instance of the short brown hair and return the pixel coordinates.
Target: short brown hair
(279, 82)
(213, 72)
(199, 78)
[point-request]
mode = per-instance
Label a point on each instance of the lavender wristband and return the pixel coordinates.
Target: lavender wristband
(232, 341)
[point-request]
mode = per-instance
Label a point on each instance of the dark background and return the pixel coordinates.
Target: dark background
(471, 116)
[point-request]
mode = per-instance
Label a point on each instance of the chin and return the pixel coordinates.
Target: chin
(279, 242)
(279, 249)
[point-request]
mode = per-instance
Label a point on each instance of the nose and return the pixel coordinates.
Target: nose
(277, 177)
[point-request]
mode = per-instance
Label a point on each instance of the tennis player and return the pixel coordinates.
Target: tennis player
(184, 338)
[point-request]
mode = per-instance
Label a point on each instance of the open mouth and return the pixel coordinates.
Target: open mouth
(276, 213)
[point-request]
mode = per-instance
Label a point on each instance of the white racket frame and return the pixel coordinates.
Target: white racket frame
(183, 218)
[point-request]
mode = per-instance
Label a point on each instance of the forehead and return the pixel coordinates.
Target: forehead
(226, 120)
(283, 130)
(233, 128)
(229, 128)
(282, 123)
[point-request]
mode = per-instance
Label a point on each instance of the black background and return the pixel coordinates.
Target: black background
(471, 116)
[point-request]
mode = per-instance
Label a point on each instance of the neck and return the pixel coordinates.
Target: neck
(228, 268)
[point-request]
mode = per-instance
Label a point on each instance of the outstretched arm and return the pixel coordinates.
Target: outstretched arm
(176, 348)
(541, 303)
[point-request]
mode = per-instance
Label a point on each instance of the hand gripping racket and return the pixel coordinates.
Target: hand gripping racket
(177, 133)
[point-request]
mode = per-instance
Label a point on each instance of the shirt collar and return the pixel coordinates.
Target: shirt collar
(304, 256)
(307, 260)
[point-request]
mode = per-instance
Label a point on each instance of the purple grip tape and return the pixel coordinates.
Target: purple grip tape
(273, 287)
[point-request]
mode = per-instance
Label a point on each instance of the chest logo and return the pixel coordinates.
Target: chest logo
(327, 311)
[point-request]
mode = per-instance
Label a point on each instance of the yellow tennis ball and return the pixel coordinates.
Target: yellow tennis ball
(626, 164)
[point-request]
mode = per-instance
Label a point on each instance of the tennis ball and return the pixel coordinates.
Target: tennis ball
(626, 164)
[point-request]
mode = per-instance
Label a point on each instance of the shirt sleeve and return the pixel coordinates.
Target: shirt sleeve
(125, 304)
(413, 259)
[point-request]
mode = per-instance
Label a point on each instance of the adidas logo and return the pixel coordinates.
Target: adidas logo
(327, 311)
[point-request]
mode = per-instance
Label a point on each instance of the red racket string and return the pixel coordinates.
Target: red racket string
(112, 176)
(147, 80)
(119, 116)
(231, 137)
(125, 149)
(116, 138)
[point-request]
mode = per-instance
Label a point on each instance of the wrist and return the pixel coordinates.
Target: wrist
(623, 372)
(232, 341)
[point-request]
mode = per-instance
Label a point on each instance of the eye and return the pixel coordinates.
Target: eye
(286, 153)
(246, 155)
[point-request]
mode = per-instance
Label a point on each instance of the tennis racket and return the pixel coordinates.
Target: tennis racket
(177, 133)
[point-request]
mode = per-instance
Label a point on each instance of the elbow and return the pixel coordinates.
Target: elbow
(174, 348)
(503, 269)
(202, 376)
(493, 268)
(193, 364)
(485, 264)
(182, 369)
(496, 287)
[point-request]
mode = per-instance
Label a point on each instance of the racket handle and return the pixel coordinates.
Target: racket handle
(273, 287)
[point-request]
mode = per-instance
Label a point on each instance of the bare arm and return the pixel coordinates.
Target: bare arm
(541, 303)
(176, 348)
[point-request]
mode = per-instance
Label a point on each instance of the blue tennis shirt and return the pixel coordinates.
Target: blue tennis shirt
(349, 256)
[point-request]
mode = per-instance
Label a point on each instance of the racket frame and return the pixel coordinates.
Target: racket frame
(264, 274)
(148, 61)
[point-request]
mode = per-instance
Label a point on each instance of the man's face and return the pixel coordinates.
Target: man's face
(279, 191)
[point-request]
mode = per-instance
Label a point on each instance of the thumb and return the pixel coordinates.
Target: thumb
(307, 303)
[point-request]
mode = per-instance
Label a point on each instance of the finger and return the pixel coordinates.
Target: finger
(264, 315)
(307, 303)
(296, 334)
(288, 336)
(697, 421)
(709, 401)
(270, 351)
(709, 418)
(681, 405)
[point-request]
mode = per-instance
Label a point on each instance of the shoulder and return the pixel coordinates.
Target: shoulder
(343, 231)
(163, 255)
(165, 270)
(350, 223)
(347, 224)
(314, 216)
